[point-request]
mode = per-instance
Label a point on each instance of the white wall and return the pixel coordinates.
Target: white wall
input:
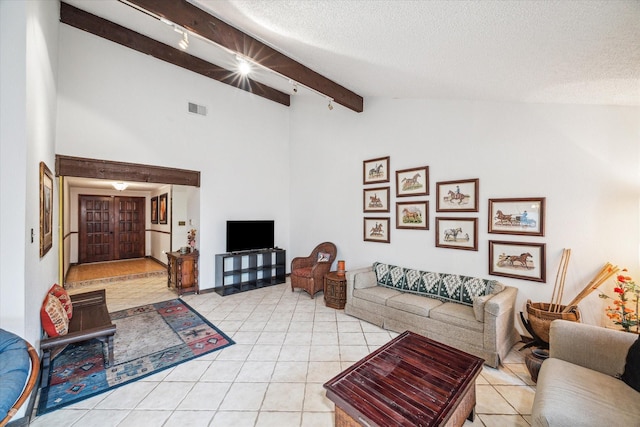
(28, 73)
(138, 113)
(583, 159)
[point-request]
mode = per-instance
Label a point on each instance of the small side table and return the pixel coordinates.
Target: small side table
(182, 271)
(335, 290)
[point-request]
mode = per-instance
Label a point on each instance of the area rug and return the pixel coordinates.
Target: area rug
(148, 339)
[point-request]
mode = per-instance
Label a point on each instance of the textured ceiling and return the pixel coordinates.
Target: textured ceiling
(551, 51)
(582, 52)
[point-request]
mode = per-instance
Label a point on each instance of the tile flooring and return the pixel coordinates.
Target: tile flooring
(287, 346)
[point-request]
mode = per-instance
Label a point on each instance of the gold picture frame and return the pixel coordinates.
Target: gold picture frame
(46, 209)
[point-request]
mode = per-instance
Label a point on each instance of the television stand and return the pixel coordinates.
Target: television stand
(247, 270)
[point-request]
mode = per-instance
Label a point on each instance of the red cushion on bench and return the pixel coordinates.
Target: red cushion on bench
(54, 317)
(62, 294)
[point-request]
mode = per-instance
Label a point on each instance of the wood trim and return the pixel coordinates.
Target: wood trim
(101, 27)
(106, 169)
(194, 19)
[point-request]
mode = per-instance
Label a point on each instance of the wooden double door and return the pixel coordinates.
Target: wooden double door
(111, 228)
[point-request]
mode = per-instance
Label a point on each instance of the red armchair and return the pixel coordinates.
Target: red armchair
(308, 272)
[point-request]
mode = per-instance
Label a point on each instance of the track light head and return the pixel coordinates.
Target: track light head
(244, 68)
(330, 106)
(184, 43)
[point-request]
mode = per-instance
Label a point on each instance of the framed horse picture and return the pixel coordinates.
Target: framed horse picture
(518, 260)
(457, 196)
(457, 233)
(375, 170)
(412, 182)
(517, 216)
(377, 230)
(412, 215)
(376, 199)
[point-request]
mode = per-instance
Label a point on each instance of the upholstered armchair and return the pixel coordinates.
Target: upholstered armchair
(308, 272)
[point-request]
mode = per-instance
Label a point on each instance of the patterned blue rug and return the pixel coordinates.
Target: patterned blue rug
(148, 339)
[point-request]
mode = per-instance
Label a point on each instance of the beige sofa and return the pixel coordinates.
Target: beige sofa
(409, 299)
(577, 384)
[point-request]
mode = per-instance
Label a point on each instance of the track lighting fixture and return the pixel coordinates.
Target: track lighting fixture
(330, 106)
(295, 86)
(184, 43)
(244, 68)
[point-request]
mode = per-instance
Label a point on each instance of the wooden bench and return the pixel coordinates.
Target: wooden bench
(90, 320)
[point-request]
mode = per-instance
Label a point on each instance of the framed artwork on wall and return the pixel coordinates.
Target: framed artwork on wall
(457, 233)
(517, 216)
(412, 215)
(162, 208)
(154, 210)
(457, 196)
(376, 230)
(412, 182)
(376, 199)
(375, 170)
(46, 209)
(517, 260)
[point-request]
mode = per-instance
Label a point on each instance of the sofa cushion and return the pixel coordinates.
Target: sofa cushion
(376, 294)
(15, 365)
(457, 314)
(364, 280)
(571, 395)
(412, 303)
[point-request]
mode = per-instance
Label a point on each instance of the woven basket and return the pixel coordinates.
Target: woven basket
(540, 317)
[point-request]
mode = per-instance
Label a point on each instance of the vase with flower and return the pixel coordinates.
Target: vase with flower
(191, 239)
(624, 309)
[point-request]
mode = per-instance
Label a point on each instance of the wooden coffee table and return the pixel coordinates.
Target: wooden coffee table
(410, 381)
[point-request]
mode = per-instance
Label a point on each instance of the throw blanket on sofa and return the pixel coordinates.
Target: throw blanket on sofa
(444, 287)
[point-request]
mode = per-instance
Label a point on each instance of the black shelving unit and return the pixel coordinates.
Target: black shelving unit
(247, 270)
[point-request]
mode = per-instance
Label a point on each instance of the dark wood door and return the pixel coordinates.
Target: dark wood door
(129, 228)
(96, 229)
(111, 228)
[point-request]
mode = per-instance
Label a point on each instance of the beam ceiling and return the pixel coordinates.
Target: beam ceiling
(82, 20)
(196, 20)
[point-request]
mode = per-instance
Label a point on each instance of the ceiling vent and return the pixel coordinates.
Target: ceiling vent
(197, 109)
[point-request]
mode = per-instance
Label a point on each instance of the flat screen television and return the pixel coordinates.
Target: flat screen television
(249, 235)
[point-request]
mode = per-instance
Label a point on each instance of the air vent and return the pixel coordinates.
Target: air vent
(197, 109)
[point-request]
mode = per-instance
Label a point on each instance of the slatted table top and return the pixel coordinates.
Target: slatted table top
(410, 381)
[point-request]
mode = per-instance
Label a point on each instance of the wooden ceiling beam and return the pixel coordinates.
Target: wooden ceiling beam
(90, 23)
(187, 15)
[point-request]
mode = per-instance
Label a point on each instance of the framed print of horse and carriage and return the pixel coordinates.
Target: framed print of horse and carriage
(412, 215)
(517, 216)
(412, 182)
(457, 233)
(376, 199)
(375, 170)
(457, 196)
(376, 230)
(517, 260)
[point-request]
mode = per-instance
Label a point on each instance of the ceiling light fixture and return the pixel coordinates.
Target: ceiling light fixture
(244, 68)
(184, 43)
(120, 185)
(295, 86)
(330, 106)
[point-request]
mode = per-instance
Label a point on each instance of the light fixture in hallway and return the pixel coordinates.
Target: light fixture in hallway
(120, 186)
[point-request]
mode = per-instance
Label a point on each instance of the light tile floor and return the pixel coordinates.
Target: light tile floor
(287, 346)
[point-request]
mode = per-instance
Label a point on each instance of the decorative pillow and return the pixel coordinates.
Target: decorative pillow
(62, 294)
(324, 257)
(53, 317)
(631, 375)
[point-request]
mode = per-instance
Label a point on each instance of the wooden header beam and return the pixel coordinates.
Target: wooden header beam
(85, 21)
(188, 16)
(121, 171)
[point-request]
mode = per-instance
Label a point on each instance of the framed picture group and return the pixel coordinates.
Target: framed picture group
(506, 216)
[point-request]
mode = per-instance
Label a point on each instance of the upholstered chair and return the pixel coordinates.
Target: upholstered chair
(308, 272)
